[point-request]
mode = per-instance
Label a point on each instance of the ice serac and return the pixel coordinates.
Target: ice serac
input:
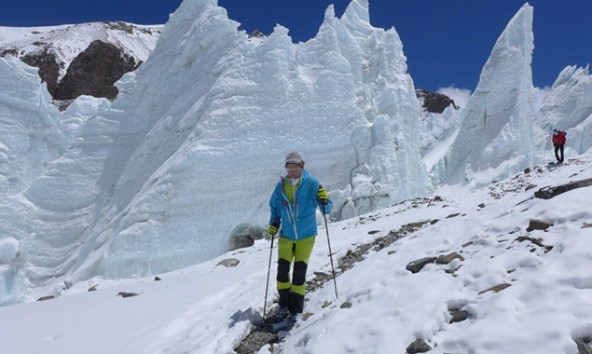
(388, 164)
(495, 135)
(31, 136)
(567, 106)
(190, 151)
(209, 118)
(30, 131)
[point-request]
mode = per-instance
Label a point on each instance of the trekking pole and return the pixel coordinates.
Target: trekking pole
(267, 282)
(330, 252)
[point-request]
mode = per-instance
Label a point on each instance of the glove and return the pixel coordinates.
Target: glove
(273, 227)
(323, 195)
(272, 230)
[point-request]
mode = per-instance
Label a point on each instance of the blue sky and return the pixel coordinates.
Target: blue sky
(446, 42)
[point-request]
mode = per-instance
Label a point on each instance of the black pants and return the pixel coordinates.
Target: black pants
(559, 148)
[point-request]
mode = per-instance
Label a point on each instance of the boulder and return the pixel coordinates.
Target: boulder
(535, 224)
(446, 259)
(418, 346)
(418, 265)
(434, 102)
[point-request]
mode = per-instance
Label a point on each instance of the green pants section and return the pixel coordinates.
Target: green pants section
(298, 253)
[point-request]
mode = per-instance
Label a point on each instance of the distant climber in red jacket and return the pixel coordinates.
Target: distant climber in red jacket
(559, 139)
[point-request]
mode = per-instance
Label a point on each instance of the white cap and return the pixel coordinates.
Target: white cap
(294, 158)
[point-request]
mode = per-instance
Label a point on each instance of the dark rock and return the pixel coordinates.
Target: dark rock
(550, 192)
(157, 279)
(45, 298)
(434, 102)
(458, 315)
(49, 70)
(254, 341)
(452, 215)
(535, 224)
(530, 186)
(536, 241)
(229, 263)
(351, 257)
(372, 232)
(418, 265)
(586, 225)
(497, 288)
(244, 236)
(126, 294)
(9, 51)
(527, 170)
(94, 71)
(583, 346)
(446, 259)
(418, 346)
(256, 34)
(346, 305)
(93, 288)
(482, 205)
(241, 241)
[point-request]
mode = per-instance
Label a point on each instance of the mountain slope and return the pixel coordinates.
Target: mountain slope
(68, 56)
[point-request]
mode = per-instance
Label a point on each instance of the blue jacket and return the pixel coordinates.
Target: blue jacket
(298, 220)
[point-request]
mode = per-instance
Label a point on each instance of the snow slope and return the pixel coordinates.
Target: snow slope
(209, 308)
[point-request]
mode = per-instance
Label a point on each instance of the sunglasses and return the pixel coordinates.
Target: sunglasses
(293, 169)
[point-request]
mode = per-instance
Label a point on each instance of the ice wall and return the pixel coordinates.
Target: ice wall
(30, 131)
(192, 148)
(211, 115)
(31, 137)
(495, 135)
(567, 106)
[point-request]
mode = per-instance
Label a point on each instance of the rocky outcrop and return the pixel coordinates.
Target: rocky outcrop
(94, 71)
(49, 69)
(434, 102)
(81, 59)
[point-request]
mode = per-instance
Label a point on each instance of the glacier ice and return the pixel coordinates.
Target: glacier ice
(189, 152)
(567, 106)
(494, 138)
